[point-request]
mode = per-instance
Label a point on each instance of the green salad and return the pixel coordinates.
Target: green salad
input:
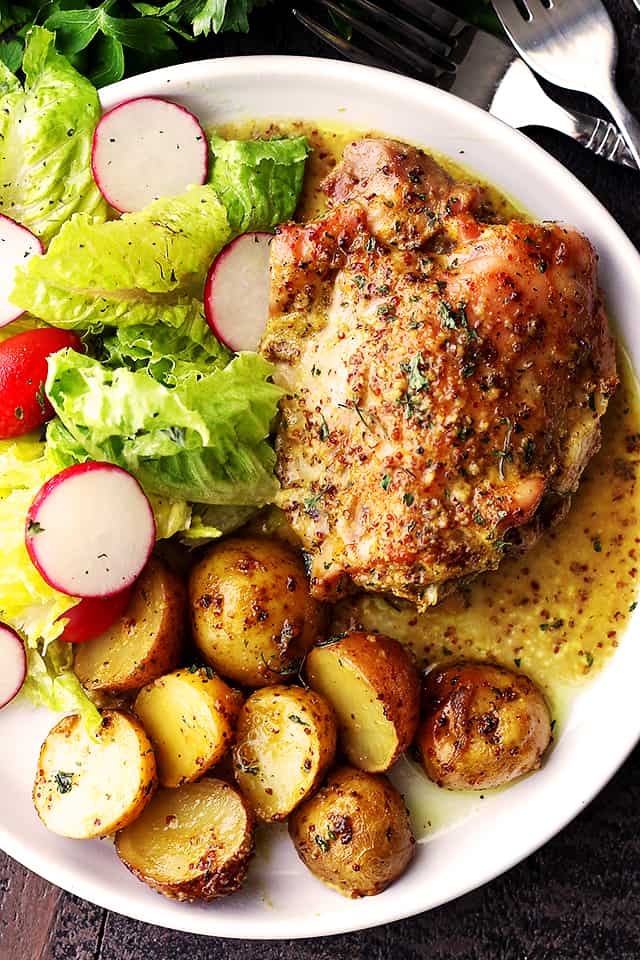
(154, 392)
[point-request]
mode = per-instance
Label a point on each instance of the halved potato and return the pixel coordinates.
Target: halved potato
(354, 834)
(285, 742)
(190, 716)
(253, 616)
(372, 684)
(89, 784)
(145, 643)
(191, 843)
(484, 725)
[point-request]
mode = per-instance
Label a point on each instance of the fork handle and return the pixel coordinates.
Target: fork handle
(627, 123)
(520, 101)
(600, 136)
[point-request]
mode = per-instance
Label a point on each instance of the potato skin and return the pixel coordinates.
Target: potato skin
(152, 629)
(253, 617)
(389, 670)
(213, 878)
(354, 834)
(263, 748)
(483, 726)
(69, 750)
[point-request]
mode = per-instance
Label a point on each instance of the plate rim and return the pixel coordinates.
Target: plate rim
(346, 921)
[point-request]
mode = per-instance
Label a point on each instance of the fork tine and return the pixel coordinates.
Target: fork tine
(345, 47)
(402, 27)
(510, 14)
(445, 22)
(401, 53)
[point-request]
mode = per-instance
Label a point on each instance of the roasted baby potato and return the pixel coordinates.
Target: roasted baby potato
(354, 834)
(372, 684)
(90, 784)
(483, 726)
(190, 716)
(191, 843)
(285, 742)
(145, 643)
(253, 616)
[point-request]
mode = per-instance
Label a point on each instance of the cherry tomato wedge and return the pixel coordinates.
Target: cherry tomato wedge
(23, 372)
(93, 615)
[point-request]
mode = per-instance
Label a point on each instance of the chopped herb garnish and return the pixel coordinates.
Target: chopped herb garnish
(542, 265)
(417, 380)
(589, 658)
(19, 413)
(33, 528)
(310, 504)
(479, 519)
(633, 606)
(360, 280)
(517, 662)
(528, 451)
(385, 483)
(323, 432)
(408, 498)
(63, 781)
(556, 624)
(446, 652)
(597, 545)
(41, 397)
(245, 767)
(328, 641)
(296, 719)
(322, 843)
(371, 244)
(504, 454)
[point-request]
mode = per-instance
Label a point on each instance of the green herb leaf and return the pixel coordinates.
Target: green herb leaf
(63, 781)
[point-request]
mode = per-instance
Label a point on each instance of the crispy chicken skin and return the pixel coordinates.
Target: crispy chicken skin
(445, 376)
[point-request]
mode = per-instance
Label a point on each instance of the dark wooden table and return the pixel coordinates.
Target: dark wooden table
(576, 899)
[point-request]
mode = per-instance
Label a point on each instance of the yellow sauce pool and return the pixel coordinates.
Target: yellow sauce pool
(558, 612)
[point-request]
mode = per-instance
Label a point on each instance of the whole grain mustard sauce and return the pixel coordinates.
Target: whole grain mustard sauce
(556, 613)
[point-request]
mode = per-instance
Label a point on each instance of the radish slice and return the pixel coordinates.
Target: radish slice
(17, 244)
(236, 295)
(13, 664)
(147, 148)
(90, 530)
(93, 616)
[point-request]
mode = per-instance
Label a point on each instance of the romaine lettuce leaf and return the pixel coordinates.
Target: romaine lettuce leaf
(259, 181)
(145, 268)
(46, 130)
(169, 355)
(27, 603)
(204, 440)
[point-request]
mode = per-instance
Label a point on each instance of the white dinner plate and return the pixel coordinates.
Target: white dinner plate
(281, 899)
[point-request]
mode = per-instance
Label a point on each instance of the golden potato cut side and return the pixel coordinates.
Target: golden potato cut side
(90, 783)
(285, 742)
(253, 617)
(145, 643)
(191, 843)
(354, 834)
(372, 684)
(190, 716)
(483, 726)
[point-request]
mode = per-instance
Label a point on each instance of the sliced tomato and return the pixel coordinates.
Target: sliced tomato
(93, 615)
(23, 372)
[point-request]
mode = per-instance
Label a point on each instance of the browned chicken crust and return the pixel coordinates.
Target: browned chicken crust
(446, 376)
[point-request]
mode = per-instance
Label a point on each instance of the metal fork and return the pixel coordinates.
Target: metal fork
(573, 44)
(436, 46)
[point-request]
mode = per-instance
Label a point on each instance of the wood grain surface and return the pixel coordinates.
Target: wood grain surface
(576, 899)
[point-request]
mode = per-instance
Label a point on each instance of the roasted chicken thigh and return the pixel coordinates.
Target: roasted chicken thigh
(445, 376)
